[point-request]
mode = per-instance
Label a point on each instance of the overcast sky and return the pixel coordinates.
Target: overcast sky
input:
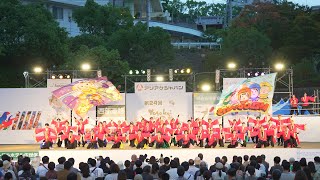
(302, 2)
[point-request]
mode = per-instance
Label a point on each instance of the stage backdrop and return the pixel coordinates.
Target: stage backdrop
(159, 99)
(204, 104)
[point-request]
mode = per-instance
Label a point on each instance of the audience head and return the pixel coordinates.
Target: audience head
(67, 165)
(45, 159)
(317, 159)
(300, 175)
(245, 157)
(122, 175)
(8, 176)
(173, 164)
(114, 168)
(296, 166)
(177, 160)
(146, 169)
(92, 162)
(164, 176)
(232, 172)
(276, 174)
(207, 175)
(286, 165)
(61, 160)
(291, 160)
(191, 162)
(155, 168)
(127, 163)
(166, 160)
(217, 159)
(200, 155)
(138, 177)
(276, 160)
(138, 163)
(180, 171)
(71, 160)
(185, 165)
(197, 161)
(51, 165)
(85, 170)
(303, 162)
(312, 167)
(72, 176)
(251, 170)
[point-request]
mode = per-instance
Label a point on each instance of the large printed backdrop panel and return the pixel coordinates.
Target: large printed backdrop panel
(204, 104)
(21, 111)
(165, 105)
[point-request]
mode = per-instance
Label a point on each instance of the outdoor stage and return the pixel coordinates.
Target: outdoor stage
(307, 150)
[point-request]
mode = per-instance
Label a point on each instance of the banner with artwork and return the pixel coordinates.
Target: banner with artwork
(252, 94)
(111, 112)
(204, 104)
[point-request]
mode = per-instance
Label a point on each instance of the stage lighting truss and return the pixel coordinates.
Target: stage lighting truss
(182, 71)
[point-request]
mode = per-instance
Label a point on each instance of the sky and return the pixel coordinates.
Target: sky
(301, 2)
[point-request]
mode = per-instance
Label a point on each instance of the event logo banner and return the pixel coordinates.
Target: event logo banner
(111, 112)
(252, 94)
(152, 87)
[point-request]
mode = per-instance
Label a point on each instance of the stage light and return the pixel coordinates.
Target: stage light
(249, 74)
(159, 78)
(232, 65)
(279, 66)
(130, 72)
(176, 71)
(188, 71)
(67, 76)
(182, 71)
(85, 67)
(256, 74)
(53, 76)
(137, 71)
(262, 74)
(37, 69)
(206, 87)
(60, 76)
(143, 71)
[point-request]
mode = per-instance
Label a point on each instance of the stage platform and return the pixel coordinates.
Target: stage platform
(81, 154)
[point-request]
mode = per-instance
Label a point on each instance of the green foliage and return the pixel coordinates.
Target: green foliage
(100, 58)
(142, 48)
(102, 20)
(305, 74)
(30, 31)
(247, 45)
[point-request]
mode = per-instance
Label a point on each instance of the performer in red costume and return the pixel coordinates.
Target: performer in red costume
(305, 103)
(81, 133)
(294, 105)
(131, 130)
(178, 131)
(159, 140)
(117, 140)
(289, 138)
(140, 138)
(271, 131)
(185, 139)
(242, 131)
(233, 139)
(280, 123)
(220, 131)
(201, 136)
(49, 135)
(92, 138)
(212, 139)
(70, 140)
(63, 133)
(262, 135)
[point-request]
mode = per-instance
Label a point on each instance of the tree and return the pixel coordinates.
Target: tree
(143, 48)
(29, 31)
(248, 45)
(102, 20)
(100, 58)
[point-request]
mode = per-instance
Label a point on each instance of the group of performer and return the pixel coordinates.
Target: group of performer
(165, 133)
(305, 104)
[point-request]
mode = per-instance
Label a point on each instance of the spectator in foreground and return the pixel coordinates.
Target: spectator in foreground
(300, 175)
(180, 172)
(61, 162)
(276, 174)
(251, 173)
(128, 170)
(122, 175)
(8, 176)
(74, 170)
(192, 168)
(155, 171)
(164, 176)
(219, 174)
(173, 170)
(138, 169)
(114, 168)
(65, 172)
(6, 169)
(96, 172)
(51, 174)
(146, 173)
(85, 172)
(72, 176)
(186, 175)
(43, 168)
(286, 174)
(277, 165)
(232, 174)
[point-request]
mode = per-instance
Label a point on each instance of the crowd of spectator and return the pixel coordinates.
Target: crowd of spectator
(165, 168)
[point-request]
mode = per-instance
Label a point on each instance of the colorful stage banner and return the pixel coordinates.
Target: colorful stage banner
(204, 104)
(252, 94)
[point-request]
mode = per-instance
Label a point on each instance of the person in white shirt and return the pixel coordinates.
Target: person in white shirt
(95, 171)
(187, 175)
(173, 170)
(258, 172)
(5, 169)
(219, 174)
(43, 168)
(192, 169)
